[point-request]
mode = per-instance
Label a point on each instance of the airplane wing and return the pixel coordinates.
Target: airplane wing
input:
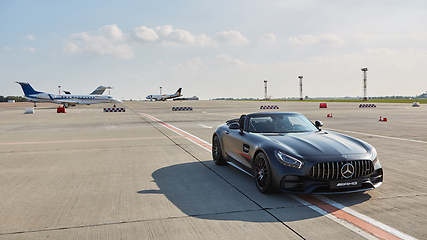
(72, 101)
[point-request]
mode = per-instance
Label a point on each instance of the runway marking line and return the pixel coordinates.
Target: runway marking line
(90, 140)
(361, 221)
(192, 138)
(380, 136)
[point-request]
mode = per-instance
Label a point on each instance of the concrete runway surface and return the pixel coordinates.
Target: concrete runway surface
(87, 174)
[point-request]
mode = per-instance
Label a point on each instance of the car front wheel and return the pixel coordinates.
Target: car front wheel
(262, 173)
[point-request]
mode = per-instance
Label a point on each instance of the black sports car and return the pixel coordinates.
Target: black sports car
(285, 151)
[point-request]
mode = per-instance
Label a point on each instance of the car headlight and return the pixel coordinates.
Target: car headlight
(288, 160)
(374, 155)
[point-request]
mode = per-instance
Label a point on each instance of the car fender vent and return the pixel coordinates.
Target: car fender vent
(332, 170)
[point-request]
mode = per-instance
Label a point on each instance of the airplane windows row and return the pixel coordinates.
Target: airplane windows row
(78, 97)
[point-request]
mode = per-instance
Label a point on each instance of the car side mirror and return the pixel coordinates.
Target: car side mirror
(318, 123)
(233, 126)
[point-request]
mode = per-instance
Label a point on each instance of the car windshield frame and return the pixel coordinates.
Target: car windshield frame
(279, 123)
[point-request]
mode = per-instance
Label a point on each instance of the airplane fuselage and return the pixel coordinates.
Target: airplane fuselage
(77, 99)
(164, 97)
(67, 99)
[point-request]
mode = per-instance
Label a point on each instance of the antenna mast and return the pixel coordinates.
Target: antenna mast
(300, 87)
(265, 86)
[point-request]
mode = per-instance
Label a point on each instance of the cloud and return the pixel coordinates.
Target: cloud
(144, 34)
(190, 66)
(363, 38)
(29, 49)
(109, 42)
(31, 37)
(231, 37)
(69, 47)
(169, 36)
(7, 48)
(267, 38)
(112, 32)
(227, 60)
(326, 39)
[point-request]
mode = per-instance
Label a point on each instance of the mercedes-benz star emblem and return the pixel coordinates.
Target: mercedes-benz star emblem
(347, 170)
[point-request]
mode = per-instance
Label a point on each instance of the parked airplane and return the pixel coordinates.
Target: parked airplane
(163, 97)
(98, 91)
(67, 99)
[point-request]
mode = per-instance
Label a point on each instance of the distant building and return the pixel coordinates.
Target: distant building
(10, 100)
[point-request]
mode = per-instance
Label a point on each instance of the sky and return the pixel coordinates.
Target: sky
(215, 49)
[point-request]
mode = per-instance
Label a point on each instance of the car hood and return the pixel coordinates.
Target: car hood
(309, 144)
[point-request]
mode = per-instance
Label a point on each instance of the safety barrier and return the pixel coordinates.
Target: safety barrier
(367, 105)
(323, 105)
(114, 110)
(29, 111)
(61, 110)
(182, 108)
(269, 107)
(383, 119)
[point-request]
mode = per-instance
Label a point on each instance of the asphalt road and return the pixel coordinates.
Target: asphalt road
(88, 174)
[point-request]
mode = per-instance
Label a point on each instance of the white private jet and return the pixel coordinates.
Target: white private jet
(163, 97)
(67, 99)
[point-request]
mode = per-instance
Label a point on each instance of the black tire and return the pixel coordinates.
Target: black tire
(217, 152)
(262, 174)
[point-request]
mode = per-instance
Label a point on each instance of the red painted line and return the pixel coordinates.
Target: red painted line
(90, 140)
(243, 154)
(193, 138)
(367, 227)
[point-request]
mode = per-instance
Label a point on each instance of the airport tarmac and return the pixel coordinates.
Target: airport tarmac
(87, 174)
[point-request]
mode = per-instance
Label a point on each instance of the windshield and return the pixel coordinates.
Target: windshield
(280, 123)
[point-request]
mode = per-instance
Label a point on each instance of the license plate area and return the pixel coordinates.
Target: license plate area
(345, 183)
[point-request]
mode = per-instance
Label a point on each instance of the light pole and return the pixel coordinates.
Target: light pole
(59, 89)
(265, 87)
(160, 90)
(300, 87)
(365, 86)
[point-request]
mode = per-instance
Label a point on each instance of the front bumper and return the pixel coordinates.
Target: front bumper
(307, 185)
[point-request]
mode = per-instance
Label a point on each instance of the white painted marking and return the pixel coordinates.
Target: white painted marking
(205, 126)
(365, 218)
(333, 218)
(220, 114)
(373, 135)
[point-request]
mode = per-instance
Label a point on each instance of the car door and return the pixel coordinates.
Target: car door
(232, 139)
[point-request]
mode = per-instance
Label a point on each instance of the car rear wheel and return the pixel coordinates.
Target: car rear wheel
(217, 152)
(262, 173)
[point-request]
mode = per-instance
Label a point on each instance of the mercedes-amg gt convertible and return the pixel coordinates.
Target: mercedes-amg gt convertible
(285, 151)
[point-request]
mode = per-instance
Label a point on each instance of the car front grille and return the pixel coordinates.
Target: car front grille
(332, 170)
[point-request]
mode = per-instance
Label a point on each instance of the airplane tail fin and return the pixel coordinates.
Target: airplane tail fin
(99, 90)
(179, 91)
(28, 90)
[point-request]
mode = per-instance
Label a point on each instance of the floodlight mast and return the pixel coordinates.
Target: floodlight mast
(300, 87)
(265, 88)
(365, 84)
